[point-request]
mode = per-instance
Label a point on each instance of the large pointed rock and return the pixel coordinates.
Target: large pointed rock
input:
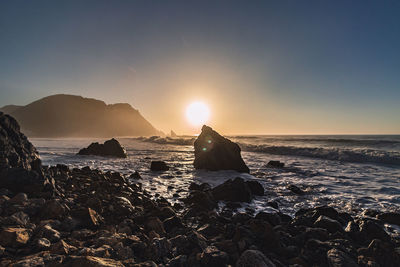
(214, 152)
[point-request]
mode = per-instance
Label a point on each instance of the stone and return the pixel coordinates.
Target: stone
(14, 237)
(235, 190)
(213, 257)
(20, 166)
(329, 224)
(254, 258)
(62, 248)
(159, 166)
(46, 231)
(20, 199)
(172, 223)
(154, 223)
(256, 188)
(214, 152)
(201, 199)
(90, 261)
(295, 189)
(110, 148)
(370, 230)
(337, 258)
(389, 217)
(42, 243)
(160, 247)
(275, 164)
(52, 209)
(87, 217)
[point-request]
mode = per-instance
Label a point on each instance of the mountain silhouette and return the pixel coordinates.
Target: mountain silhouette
(75, 116)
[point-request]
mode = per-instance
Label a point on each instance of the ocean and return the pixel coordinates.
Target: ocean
(351, 173)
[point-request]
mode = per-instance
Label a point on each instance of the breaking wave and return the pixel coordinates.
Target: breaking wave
(339, 154)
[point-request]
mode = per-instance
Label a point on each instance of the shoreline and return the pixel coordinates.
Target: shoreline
(101, 218)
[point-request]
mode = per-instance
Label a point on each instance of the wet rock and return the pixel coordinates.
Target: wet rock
(156, 225)
(135, 176)
(42, 244)
(295, 189)
(52, 209)
(202, 199)
(256, 188)
(337, 258)
(275, 164)
(213, 257)
(370, 230)
(123, 252)
(159, 166)
(172, 223)
(87, 217)
(20, 199)
(160, 247)
(383, 253)
(123, 206)
(19, 218)
(233, 190)
(62, 248)
(46, 231)
(389, 217)
(110, 148)
(254, 258)
(214, 152)
(14, 237)
(80, 261)
(272, 218)
(329, 224)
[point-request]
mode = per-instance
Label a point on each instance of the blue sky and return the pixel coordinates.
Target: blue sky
(261, 66)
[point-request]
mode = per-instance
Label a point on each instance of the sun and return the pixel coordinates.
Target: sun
(197, 113)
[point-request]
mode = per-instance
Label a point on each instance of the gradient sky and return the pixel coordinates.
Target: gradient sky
(264, 67)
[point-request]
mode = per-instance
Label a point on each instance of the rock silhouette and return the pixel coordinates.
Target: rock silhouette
(214, 152)
(20, 166)
(110, 148)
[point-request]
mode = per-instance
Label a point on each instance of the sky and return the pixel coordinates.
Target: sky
(262, 67)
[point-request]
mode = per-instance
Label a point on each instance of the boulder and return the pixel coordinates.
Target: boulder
(337, 258)
(235, 190)
(253, 258)
(110, 148)
(214, 152)
(389, 217)
(14, 237)
(159, 166)
(79, 261)
(256, 188)
(275, 164)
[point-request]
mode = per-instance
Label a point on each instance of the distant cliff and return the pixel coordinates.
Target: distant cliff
(76, 116)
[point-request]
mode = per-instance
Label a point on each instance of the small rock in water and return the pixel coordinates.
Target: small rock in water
(235, 190)
(296, 189)
(159, 166)
(256, 188)
(135, 176)
(110, 148)
(275, 164)
(214, 152)
(389, 217)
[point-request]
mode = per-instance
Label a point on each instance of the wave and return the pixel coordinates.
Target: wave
(338, 154)
(167, 140)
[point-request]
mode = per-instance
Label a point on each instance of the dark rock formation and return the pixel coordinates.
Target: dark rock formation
(20, 166)
(76, 116)
(275, 164)
(214, 152)
(110, 148)
(235, 190)
(159, 166)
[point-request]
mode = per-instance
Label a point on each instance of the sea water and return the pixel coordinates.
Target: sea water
(350, 173)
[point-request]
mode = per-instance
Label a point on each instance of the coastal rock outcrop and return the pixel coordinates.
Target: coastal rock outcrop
(214, 152)
(20, 166)
(110, 148)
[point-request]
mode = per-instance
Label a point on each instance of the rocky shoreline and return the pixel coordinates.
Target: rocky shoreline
(87, 217)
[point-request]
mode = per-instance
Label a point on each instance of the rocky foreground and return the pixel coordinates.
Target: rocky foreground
(85, 217)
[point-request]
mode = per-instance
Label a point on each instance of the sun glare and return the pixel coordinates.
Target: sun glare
(197, 113)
